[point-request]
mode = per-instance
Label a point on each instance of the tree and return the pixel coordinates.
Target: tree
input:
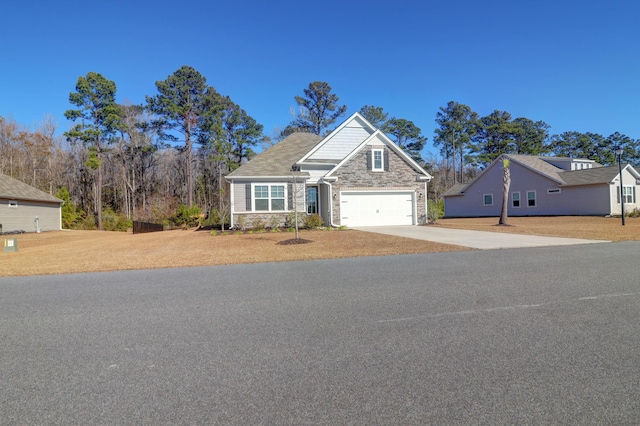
(374, 115)
(529, 137)
(407, 136)
(319, 109)
(458, 123)
(182, 104)
(506, 184)
(494, 136)
(584, 145)
(99, 119)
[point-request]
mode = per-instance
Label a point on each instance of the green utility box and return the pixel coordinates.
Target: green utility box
(10, 244)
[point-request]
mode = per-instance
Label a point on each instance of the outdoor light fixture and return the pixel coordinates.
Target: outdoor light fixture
(618, 150)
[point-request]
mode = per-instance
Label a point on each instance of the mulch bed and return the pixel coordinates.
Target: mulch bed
(293, 241)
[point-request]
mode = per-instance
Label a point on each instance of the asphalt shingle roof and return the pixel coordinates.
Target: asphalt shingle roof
(14, 189)
(277, 160)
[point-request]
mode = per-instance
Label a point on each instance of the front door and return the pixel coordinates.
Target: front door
(312, 200)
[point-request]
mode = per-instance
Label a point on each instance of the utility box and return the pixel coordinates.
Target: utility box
(10, 244)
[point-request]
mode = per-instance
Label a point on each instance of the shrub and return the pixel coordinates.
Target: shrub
(290, 221)
(257, 223)
(112, 221)
(187, 216)
(434, 210)
(274, 222)
(242, 222)
(313, 221)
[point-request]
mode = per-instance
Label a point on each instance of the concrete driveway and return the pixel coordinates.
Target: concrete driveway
(475, 239)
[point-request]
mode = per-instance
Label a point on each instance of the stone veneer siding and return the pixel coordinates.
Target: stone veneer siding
(354, 176)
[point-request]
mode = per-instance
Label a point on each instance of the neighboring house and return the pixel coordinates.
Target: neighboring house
(355, 176)
(25, 208)
(546, 186)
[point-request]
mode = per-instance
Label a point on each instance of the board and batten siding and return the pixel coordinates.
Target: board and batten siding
(341, 144)
(22, 217)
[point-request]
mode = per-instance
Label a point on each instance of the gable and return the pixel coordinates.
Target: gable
(342, 141)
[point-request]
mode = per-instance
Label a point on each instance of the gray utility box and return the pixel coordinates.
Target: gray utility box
(10, 244)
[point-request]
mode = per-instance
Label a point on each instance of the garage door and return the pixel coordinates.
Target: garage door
(376, 208)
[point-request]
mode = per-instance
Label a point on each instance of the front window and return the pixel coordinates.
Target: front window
(629, 194)
(269, 197)
(378, 162)
(531, 198)
(312, 200)
(488, 199)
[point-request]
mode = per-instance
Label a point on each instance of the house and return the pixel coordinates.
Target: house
(546, 186)
(355, 176)
(25, 208)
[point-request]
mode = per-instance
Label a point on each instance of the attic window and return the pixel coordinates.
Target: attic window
(554, 191)
(377, 164)
(13, 204)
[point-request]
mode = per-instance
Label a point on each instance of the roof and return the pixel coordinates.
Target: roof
(592, 176)
(277, 160)
(14, 189)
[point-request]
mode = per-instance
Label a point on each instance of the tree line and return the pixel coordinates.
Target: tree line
(166, 159)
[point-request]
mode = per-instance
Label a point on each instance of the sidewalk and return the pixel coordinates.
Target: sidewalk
(475, 239)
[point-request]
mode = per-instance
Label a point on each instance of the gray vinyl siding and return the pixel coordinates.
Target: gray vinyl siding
(22, 217)
(239, 197)
(340, 145)
(573, 200)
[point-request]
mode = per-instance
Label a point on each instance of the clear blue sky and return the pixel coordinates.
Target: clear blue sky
(573, 64)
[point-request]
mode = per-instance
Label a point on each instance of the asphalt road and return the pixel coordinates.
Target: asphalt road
(523, 336)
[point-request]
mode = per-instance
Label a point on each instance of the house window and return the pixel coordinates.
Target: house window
(531, 198)
(629, 194)
(269, 197)
(515, 199)
(488, 199)
(554, 191)
(377, 157)
(312, 200)
(13, 204)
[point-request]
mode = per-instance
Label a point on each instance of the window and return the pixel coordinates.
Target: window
(629, 194)
(515, 199)
(377, 157)
(13, 204)
(269, 197)
(531, 198)
(488, 199)
(312, 200)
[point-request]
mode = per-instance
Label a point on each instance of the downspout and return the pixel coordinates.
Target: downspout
(231, 206)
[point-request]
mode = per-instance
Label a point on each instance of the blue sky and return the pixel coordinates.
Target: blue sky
(573, 64)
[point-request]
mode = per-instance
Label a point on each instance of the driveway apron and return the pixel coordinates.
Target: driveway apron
(475, 239)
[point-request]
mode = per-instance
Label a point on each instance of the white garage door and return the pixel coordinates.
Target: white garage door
(376, 208)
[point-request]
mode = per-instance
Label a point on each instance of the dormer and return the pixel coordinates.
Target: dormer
(566, 163)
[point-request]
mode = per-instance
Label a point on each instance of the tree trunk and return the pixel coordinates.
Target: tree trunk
(506, 183)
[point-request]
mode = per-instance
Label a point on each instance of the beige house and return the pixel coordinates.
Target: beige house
(25, 208)
(355, 176)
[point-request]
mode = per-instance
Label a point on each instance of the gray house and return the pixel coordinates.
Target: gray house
(355, 176)
(541, 186)
(25, 208)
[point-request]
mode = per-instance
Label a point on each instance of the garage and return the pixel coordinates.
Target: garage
(377, 208)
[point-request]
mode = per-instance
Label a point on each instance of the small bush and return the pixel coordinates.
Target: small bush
(434, 210)
(274, 222)
(187, 217)
(258, 224)
(313, 221)
(634, 213)
(242, 222)
(290, 222)
(112, 221)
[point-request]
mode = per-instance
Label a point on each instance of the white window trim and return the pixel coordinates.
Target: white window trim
(630, 195)
(484, 203)
(373, 160)
(519, 199)
(13, 204)
(268, 185)
(554, 191)
(535, 198)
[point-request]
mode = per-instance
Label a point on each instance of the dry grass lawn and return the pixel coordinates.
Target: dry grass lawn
(587, 227)
(93, 251)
